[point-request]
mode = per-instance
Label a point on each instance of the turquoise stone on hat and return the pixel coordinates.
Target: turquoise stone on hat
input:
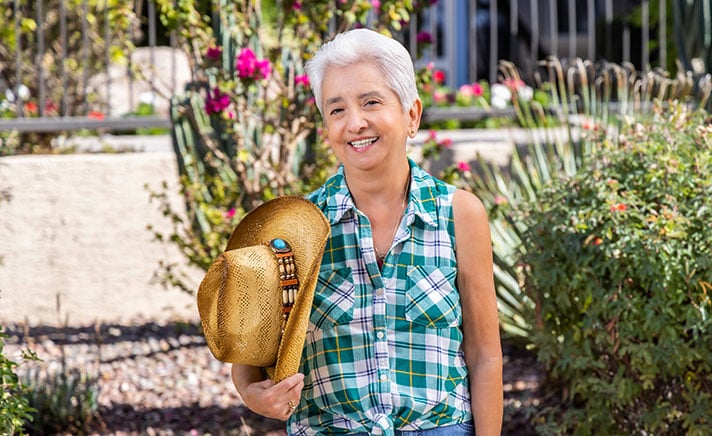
(280, 245)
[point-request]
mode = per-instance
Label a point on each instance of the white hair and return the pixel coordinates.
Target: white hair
(364, 45)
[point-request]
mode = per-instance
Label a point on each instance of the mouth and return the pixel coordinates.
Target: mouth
(363, 144)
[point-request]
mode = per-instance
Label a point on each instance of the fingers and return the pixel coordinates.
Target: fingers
(276, 401)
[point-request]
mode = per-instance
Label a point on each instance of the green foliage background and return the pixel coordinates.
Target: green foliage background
(619, 264)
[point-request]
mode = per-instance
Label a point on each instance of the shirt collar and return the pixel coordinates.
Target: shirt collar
(423, 196)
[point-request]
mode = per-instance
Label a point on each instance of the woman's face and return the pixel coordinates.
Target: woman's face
(366, 125)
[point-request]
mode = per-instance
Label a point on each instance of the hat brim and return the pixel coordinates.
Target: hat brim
(303, 225)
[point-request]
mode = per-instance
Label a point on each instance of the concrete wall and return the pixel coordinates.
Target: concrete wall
(75, 228)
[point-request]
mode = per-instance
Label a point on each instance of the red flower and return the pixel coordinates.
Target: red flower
(619, 207)
(95, 115)
(424, 37)
(230, 213)
(31, 108)
(598, 241)
(463, 166)
(439, 76)
(214, 53)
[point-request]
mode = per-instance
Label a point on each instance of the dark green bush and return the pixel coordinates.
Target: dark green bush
(619, 265)
(15, 408)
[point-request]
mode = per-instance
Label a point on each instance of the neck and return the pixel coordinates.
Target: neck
(384, 188)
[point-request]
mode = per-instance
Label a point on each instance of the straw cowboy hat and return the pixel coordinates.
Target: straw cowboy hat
(255, 300)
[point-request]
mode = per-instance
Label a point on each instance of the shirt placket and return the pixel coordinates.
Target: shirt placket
(384, 406)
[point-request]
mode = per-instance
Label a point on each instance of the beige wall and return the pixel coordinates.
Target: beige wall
(76, 228)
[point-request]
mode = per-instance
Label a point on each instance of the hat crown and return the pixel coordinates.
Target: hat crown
(245, 308)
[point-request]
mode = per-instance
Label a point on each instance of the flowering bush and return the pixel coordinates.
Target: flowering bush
(619, 265)
(248, 129)
(490, 100)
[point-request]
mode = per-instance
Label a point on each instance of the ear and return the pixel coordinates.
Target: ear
(414, 114)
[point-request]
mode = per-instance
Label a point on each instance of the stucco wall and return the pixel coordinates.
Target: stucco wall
(75, 228)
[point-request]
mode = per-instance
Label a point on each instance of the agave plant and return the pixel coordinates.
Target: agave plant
(587, 103)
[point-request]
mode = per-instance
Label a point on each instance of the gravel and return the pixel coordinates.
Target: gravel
(160, 379)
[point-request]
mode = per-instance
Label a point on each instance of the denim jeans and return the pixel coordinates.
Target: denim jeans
(462, 429)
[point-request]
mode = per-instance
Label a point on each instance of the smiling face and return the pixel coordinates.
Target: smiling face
(366, 126)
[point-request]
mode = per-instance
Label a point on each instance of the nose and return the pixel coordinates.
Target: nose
(357, 121)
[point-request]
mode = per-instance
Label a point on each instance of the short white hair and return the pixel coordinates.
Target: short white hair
(364, 45)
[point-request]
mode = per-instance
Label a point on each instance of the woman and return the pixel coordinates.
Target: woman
(403, 334)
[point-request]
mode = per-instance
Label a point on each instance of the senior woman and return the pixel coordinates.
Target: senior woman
(403, 336)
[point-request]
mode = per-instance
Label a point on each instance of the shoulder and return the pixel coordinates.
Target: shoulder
(467, 206)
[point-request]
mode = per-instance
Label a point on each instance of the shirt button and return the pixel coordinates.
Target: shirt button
(379, 292)
(379, 335)
(384, 377)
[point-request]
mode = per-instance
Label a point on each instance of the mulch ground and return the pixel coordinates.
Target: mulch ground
(161, 380)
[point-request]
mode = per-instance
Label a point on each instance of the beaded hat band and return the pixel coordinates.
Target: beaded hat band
(288, 281)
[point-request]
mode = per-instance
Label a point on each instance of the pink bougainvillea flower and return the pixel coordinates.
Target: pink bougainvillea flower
(463, 166)
(432, 134)
(214, 53)
(424, 37)
(230, 213)
(246, 63)
(477, 89)
(446, 143)
(514, 84)
(439, 97)
(376, 4)
(301, 80)
(216, 102)
(249, 67)
(499, 200)
(466, 90)
(265, 68)
(439, 76)
(297, 6)
(619, 207)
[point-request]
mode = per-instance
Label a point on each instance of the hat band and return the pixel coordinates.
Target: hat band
(288, 282)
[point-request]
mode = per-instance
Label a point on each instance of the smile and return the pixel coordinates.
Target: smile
(363, 143)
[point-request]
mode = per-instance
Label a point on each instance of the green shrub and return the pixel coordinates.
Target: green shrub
(15, 408)
(618, 261)
(65, 401)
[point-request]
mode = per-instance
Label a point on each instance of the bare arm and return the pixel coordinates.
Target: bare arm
(481, 343)
(263, 396)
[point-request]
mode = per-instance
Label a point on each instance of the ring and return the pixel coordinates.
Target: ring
(291, 405)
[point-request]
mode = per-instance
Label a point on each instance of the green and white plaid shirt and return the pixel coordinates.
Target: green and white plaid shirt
(384, 347)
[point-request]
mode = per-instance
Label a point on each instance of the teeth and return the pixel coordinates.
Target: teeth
(363, 143)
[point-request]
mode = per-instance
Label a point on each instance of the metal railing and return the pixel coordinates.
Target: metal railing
(469, 38)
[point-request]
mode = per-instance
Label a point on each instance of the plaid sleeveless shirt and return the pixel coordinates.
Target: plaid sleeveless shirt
(383, 349)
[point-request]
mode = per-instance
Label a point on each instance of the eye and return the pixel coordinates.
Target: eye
(336, 111)
(372, 102)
